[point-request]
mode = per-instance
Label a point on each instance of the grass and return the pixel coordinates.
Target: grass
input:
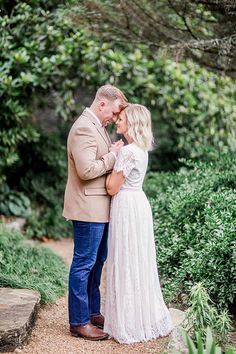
(29, 266)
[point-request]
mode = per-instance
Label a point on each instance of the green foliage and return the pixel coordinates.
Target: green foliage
(48, 222)
(194, 225)
(195, 108)
(43, 168)
(160, 182)
(38, 52)
(13, 202)
(210, 346)
(202, 314)
(23, 265)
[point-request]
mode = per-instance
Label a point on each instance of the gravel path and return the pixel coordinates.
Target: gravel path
(51, 332)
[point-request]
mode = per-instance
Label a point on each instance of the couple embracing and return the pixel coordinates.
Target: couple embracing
(112, 220)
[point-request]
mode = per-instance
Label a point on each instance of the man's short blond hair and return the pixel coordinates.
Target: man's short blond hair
(111, 93)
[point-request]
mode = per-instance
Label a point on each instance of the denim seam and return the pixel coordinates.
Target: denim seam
(79, 324)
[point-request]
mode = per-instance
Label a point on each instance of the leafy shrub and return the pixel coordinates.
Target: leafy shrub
(13, 202)
(23, 265)
(194, 224)
(156, 183)
(48, 222)
(38, 50)
(43, 167)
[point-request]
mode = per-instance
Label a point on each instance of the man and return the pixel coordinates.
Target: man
(90, 157)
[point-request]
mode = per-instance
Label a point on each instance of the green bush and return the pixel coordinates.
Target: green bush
(156, 183)
(23, 265)
(39, 50)
(13, 202)
(43, 167)
(48, 222)
(194, 224)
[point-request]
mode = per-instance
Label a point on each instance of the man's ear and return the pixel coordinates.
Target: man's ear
(101, 104)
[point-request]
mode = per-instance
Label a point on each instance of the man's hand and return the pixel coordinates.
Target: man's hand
(115, 147)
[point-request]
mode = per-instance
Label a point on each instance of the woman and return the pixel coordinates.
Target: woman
(135, 309)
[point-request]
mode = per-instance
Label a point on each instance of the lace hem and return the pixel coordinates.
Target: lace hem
(163, 329)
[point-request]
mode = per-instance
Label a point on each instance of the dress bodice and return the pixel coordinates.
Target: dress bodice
(132, 161)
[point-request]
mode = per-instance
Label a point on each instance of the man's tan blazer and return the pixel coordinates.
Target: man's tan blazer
(89, 160)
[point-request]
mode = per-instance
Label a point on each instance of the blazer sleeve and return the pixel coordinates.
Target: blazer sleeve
(83, 147)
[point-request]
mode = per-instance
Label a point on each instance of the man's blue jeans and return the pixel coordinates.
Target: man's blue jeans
(90, 253)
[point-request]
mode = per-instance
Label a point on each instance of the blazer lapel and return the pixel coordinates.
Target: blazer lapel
(101, 130)
(107, 135)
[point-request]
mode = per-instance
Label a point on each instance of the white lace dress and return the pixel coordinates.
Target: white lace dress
(135, 310)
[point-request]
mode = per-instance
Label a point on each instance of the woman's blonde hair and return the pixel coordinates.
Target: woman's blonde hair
(139, 125)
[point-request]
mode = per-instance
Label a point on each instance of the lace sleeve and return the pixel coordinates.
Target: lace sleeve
(125, 162)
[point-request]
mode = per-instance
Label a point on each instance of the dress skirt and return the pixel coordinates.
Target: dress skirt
(135, 310)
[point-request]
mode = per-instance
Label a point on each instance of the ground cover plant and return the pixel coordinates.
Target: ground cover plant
(30, 266)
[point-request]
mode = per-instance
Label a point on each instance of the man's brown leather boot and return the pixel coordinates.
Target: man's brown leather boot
(88, 331)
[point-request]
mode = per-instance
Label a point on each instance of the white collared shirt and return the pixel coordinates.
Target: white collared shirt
(94, 115)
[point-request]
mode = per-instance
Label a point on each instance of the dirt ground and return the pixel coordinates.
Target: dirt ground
(51, 333)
